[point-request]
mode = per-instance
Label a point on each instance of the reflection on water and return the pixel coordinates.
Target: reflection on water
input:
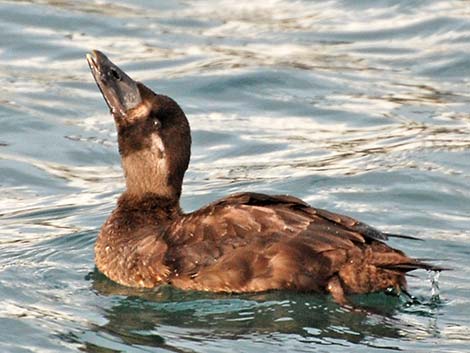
(359, 107)
(139, 316)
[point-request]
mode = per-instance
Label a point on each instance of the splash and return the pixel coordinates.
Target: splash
(433, 277)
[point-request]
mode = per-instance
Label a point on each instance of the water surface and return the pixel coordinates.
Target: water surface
(359, 107)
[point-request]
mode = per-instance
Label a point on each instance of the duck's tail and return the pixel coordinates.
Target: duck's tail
(411, 264)
(376, 268)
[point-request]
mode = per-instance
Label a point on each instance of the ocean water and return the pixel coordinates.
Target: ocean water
(360, 107)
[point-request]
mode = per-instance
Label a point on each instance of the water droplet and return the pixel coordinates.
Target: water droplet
(434, 279)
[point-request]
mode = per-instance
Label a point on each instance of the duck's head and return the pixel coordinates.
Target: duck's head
(153, 132)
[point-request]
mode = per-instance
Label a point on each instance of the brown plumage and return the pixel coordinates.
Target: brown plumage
(246, 242)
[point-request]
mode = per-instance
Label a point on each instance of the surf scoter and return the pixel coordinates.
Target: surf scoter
(247, 242)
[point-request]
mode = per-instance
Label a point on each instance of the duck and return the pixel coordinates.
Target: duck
(242, 243)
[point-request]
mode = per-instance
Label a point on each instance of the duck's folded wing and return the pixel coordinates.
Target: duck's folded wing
(260, 221)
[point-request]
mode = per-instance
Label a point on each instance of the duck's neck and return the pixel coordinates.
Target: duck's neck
(148, 202)
(149, 174)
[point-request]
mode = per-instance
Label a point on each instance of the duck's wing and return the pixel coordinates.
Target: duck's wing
(258, 222)
(249, 214)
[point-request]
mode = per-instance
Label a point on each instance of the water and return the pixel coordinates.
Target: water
(361, 107)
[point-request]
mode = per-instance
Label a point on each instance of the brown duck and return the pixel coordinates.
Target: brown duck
(246, 242)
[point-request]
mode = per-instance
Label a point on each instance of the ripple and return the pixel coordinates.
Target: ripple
(358, 107)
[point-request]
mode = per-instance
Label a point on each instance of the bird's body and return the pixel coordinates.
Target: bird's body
(246, 242)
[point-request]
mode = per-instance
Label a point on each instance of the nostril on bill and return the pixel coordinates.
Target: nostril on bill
(115, 74)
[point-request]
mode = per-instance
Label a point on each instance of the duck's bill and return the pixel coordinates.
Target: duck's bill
(120, 92)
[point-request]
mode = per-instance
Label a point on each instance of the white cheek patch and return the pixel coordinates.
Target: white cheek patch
(157, 144)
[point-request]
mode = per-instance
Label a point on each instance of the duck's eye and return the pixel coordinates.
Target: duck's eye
(157, 124)
(115, 74)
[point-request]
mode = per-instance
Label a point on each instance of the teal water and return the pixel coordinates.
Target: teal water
(360, 107)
